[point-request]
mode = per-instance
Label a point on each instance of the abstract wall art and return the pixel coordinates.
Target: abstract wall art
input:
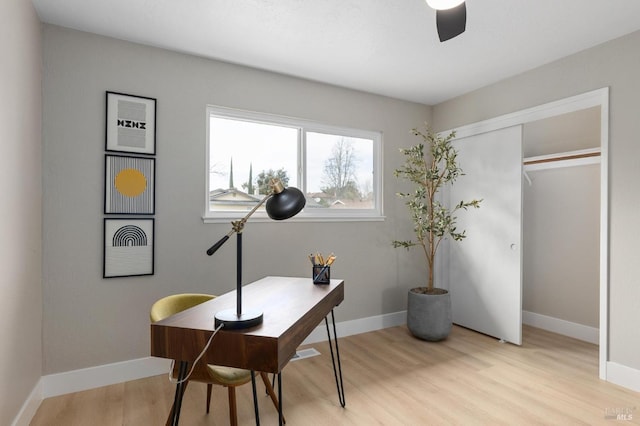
(129, 185)
(131, 124)
(128, 247)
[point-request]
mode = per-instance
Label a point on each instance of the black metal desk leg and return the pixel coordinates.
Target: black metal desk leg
(255, 397)
(180, 388)
(273, 386)
(280, 418)
(338, 372)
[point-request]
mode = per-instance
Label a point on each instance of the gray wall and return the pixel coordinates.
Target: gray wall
(90, 321)
(561, 244)
(615, 64)
(21, 189)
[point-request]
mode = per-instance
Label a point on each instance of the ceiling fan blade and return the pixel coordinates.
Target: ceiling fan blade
(451, 22)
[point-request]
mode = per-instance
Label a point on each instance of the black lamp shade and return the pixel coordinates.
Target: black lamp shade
(285, 204)
(451, 22)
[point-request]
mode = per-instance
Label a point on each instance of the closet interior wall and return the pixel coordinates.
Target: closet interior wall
(561, 219)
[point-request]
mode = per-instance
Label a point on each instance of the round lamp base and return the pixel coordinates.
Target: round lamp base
(232, 321)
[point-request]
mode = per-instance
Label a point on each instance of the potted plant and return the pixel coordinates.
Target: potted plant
(429, 307)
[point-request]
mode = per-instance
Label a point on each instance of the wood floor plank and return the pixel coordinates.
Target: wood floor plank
(390, 378)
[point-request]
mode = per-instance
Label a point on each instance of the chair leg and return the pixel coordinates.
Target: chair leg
(270, 391)
(233, 409)
(209, 389)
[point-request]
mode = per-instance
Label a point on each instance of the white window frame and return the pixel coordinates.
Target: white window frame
(303, 126)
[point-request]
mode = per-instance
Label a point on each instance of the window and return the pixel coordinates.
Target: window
(338, 169)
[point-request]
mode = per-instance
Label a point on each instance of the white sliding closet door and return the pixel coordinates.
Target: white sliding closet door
(485, 269)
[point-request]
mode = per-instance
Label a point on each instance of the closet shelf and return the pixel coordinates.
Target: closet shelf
(563, 159)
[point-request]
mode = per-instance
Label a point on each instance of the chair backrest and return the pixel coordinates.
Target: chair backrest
(175, 303)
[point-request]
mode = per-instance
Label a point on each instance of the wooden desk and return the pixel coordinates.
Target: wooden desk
(292, 308)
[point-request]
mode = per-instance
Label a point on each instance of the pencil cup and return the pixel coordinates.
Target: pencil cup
(321, 274)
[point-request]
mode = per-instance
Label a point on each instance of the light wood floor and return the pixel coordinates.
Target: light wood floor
(390, 379)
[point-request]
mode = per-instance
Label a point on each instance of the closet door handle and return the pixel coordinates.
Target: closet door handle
(513, 247)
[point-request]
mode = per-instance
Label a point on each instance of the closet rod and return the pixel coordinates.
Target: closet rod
(562, 157)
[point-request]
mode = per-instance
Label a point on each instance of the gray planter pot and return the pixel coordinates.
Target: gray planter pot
(429, 315)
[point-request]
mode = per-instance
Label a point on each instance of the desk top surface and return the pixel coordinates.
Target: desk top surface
(283, 300)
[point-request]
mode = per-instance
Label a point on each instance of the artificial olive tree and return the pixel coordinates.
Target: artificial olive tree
(430, 171)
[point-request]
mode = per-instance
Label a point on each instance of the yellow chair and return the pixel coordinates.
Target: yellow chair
(228, 377)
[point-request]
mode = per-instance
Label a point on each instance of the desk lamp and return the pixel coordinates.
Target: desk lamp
(282, 203)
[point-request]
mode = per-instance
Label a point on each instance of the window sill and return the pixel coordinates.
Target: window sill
(300, 218)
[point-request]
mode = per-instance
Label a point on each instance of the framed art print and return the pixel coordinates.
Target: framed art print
(128, 247)
(129, 185)
(131, 124)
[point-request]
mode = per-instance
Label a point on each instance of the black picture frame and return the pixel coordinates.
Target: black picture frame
(130, 123)
(129, 185)
(129, 247)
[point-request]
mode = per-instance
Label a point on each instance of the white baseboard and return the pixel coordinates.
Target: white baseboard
(30, 406)
(103, 375)
(566, 328)
(358, 326)
(109, 374)
(623, 376)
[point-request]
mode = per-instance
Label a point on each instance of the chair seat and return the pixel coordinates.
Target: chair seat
(229, 376)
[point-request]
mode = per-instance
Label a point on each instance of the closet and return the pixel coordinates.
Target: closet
(561, 223)
(537, 250)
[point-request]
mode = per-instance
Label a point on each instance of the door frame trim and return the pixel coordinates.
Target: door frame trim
(599, 97)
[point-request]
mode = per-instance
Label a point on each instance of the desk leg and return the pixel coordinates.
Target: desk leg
(180, 388)
(255, 397)
(280, 416)
(338, 372)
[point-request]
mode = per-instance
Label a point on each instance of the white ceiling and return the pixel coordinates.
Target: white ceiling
(388, 47)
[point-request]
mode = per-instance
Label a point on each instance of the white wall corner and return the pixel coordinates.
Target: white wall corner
(559, 326)
(30, 406)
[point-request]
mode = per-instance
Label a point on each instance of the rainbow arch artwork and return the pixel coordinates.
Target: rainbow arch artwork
(129, 247)
(129, 236)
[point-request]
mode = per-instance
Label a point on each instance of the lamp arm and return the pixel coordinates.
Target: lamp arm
(237, 226)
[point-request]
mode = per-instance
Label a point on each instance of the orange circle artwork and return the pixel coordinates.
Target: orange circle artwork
(130, 182)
